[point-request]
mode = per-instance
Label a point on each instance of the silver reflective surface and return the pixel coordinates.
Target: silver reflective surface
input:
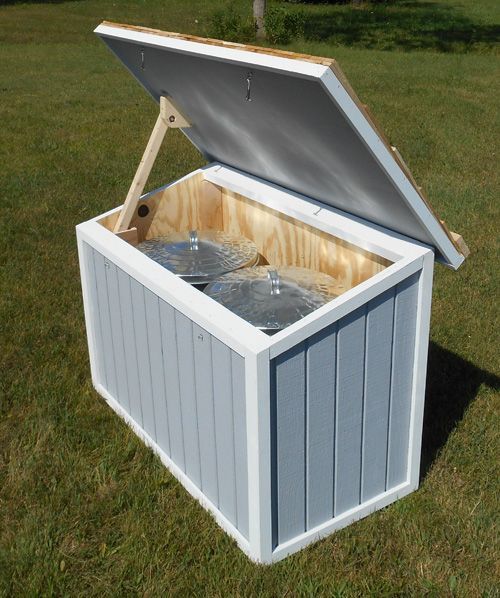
(291, 133)
(200, 256)
(272, 298)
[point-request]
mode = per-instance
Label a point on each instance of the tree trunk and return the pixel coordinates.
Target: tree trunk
(259, 9)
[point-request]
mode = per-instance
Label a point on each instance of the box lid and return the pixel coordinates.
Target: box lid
(290, 119)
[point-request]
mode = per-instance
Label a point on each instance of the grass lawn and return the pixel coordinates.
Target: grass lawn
(85, 509)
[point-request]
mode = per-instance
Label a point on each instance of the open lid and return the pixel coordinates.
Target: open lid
(287, 118)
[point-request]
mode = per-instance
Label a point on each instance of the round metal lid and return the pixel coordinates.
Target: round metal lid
(200, 256)
(272, 298)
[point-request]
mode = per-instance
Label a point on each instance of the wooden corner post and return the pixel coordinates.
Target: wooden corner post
(169, 118)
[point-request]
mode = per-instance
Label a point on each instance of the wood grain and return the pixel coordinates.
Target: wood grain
(189, 204)
(217, 42)
(285, 241)
(281, 240)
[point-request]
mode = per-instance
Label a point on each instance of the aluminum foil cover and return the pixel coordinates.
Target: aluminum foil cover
(272, 298)
(199, 257)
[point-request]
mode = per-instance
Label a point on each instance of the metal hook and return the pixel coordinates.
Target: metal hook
(249, 80)
(142, 59)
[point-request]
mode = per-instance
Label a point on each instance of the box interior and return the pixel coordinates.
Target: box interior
(196, 203)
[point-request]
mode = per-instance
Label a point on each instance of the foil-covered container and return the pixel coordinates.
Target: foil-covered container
(199, 257)
(271, 298)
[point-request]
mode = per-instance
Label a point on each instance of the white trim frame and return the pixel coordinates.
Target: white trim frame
(258, 413)
(328, 527)
(420, 369)
(372, 140)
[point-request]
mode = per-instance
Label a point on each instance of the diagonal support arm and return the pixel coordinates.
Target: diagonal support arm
(169, 118)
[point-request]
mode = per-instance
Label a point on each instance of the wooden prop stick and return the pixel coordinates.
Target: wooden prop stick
(169, 118)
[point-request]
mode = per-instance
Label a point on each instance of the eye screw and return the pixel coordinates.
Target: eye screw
(249, 82)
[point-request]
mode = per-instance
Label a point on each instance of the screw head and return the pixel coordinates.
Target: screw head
(171, 118)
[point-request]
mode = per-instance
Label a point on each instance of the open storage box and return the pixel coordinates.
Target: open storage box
(284, 438)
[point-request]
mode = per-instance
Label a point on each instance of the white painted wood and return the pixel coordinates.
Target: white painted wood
(233, 331)
(384, 157)
(268, 61)
(343, 305)
(258, 414)
(108, 355)
(226, 525)
(240, 448)
(332, 525)
(420, 369)
(88, 308)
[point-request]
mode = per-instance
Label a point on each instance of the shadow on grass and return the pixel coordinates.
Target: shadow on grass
(452, 384)
(398, 25)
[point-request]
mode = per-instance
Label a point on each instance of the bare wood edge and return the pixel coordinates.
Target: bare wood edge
(218, 42)
(460, 243)
(456, 239)
(130, 235)
(168, 118)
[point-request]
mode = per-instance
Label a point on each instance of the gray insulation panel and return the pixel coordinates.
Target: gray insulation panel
(181, 385)
(340, 405)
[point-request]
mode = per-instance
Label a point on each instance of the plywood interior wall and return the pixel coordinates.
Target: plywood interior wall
(198, 204)
(190, 204)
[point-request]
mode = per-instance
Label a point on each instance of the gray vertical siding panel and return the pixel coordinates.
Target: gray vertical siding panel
(377, 392)
(152, 308)
(117, 336)
(172, 392)
(130, 352)
(185, 388)
(320, 426)
(290, 442)
(340, 413)
(240, 441)
(224, 429)
(94, 313)
(402, 379)
(205, 409)
(185, 354)
(348, 432)
(100, 266)
(143, 358)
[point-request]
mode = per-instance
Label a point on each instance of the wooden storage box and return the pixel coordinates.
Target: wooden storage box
(283, 438)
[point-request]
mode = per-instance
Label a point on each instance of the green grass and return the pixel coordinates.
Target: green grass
(84, 507)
